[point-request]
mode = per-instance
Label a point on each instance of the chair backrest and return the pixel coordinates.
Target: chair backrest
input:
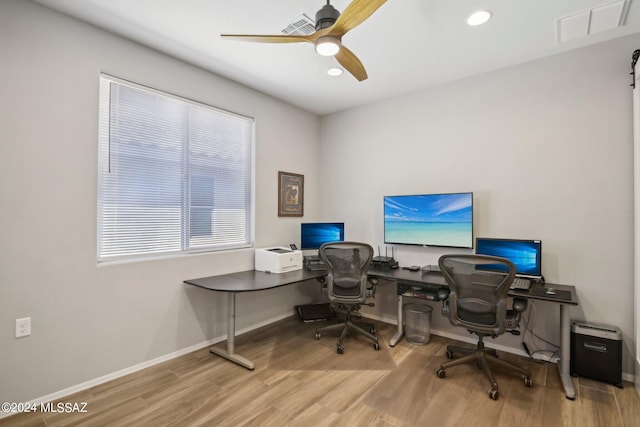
(347, 264)
(478, 296)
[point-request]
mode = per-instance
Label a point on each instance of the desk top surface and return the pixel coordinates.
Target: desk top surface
(564, 294)
(253, 280)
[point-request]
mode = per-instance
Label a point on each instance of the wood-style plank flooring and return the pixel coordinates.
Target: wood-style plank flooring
(299, 381)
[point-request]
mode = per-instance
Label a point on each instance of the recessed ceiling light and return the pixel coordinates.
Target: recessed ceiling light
(335, 71)
(479, 18)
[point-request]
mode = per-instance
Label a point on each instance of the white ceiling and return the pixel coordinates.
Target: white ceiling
(405, 45)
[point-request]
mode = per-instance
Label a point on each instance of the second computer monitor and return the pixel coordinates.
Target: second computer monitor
(526, 255)
(314, 234)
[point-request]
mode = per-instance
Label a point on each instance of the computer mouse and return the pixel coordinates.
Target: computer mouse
(549, 291)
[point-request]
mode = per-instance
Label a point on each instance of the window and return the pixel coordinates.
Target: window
(173, 175)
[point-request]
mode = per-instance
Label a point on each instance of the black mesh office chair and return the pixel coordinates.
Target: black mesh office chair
(478, 302)
(348, 287)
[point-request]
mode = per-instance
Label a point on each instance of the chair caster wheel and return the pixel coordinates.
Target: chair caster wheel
(494, 394)
(449, 354)
(376, 346)
(528, 382)
(441, 373)
(318, 336)
(340, 349)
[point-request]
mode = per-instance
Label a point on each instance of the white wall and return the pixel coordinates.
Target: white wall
(545, 146)
(89, 320)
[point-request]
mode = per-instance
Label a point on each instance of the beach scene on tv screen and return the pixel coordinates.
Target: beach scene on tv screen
(438, 220)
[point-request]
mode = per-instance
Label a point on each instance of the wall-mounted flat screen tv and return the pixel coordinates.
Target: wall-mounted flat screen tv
(314, 234)
(429, 220)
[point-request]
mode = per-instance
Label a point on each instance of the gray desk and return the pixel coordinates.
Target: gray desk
(246, 281)
(565, 296)
(429, 283)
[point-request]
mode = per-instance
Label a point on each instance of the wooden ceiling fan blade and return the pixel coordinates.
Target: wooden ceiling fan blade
(353, 15)
(351, 63)
(271, 38)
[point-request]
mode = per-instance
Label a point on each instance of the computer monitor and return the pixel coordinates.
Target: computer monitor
(314, 234)
(526, 255)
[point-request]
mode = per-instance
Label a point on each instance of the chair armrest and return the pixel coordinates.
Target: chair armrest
(443, 294)
(322, 280)
(512, 319)
(371, 290)
(520, 305)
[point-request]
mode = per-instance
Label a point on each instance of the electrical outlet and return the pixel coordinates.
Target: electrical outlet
(23, 327)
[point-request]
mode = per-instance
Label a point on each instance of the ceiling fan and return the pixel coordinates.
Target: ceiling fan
(331, 26)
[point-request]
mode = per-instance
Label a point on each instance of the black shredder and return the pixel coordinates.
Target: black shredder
(596, 352)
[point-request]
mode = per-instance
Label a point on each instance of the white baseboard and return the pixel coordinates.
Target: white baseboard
(467, 339)
(146, 364)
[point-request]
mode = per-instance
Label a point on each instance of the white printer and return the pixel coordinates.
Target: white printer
(278, 259)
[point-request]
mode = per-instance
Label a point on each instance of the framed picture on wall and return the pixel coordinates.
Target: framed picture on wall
(290, 194)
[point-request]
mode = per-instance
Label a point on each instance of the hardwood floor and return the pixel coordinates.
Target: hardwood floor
(299, 381)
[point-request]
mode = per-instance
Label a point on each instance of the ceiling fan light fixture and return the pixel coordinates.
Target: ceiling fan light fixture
(335, 71)
(478, 18)
(327, 46)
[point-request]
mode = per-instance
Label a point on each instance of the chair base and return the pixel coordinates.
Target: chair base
(348, 327)
(483, 358)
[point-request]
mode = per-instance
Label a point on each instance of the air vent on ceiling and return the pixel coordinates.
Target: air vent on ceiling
(302, 26)
(600, 18)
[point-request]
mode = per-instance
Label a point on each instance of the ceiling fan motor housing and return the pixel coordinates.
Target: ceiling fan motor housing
(326, 16)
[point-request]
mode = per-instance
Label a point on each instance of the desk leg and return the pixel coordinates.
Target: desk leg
(400, 332)
(231, 336)
(565, 353)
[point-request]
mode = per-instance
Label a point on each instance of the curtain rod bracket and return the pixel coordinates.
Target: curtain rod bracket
(636, 55)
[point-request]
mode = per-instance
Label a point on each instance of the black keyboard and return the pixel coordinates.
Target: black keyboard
(520, 284)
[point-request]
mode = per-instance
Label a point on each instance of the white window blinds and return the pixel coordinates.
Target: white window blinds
(174, 176)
